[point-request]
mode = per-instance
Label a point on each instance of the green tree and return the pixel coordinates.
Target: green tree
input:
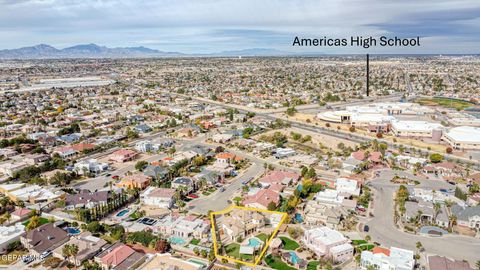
(436, 158)
(141, 165)
(33, 223)
(70, 250)
(271, 206)
(291, 111)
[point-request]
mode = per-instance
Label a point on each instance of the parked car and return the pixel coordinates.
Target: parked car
(28, 259)
(45, 254)
(193, 196)
(115, 177)
(366, 228)
(222, 189)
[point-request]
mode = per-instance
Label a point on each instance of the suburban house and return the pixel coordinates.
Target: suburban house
(155, 172)
(142, 128)
(317, 213)
(91, 166)
(10, 234)
(426, 212)
(21, 214)
(262, 199)
(183, 226)
(241, 223)
(284, 153)
(120, 256)
(123, 155)
(146, 146)
(467, 216)
(35, 159)
(86, 199)
(65, 152)
(29, 193)
(227, 158)
(159, 197)
(137, 180)
(329, 243)
(393, 258)
(45, 237)
(349, 186)
(183, 182)
(211, 177)
(88, 246)
(443, 263)
(279, 177)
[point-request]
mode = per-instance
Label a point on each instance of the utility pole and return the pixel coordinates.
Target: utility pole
(368, 74)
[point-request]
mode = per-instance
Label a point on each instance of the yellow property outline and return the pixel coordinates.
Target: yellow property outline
(230, 208)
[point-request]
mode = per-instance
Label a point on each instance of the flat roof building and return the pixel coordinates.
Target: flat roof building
(463, 137)
(414, 128)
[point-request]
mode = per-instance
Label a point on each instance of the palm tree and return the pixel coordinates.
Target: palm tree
(436, 207)
(419, 246)
(70, 251)
(453, 221)
(368, 238)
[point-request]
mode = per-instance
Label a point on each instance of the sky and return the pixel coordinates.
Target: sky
(206, 26)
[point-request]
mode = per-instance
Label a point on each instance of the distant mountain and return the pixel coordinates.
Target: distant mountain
(43, 51)
(82, 51)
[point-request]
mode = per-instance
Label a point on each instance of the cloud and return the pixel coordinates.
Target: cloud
(215, 25)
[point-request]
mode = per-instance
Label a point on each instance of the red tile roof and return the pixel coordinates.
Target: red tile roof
(279, 177)
(263, 197)
(118, 255)
(375, 156)
(162, 193)
(377, 250)
(123, 152)
(83, 146)
(21, 212)
(359, 155)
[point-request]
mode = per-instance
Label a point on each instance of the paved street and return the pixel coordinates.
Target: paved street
(219, 200)
(383, 230)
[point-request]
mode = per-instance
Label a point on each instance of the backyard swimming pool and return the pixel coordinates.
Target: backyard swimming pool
(293, 257)
(122, 213)
(202, 264)
(254, 242)
(298, 218)
(72, 230)
(177, 240)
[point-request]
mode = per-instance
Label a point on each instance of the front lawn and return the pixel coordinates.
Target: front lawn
(289, 244)
(358, 242)
(41, 221)
(277, 263)
(365, 247)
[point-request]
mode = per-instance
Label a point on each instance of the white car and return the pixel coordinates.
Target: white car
(45, 254)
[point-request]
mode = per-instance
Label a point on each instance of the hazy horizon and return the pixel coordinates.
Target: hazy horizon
(193, 27)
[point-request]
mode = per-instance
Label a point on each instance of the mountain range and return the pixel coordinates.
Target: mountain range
(44, 51)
